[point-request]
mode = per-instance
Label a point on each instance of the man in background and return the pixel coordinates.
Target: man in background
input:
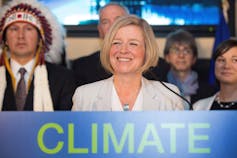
(89, 69)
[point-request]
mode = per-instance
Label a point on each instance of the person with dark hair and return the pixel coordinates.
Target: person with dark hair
(30, 38)
(225, 58)
(181, 53)
(129, 49)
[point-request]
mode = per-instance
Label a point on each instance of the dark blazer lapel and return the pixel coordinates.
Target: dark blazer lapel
(61, 85)
(9, 102)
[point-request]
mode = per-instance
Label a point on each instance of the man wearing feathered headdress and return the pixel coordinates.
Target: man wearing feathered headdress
(30, 35)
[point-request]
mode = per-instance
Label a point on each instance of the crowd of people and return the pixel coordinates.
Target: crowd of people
(126, 74)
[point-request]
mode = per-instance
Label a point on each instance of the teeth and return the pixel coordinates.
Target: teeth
(124, 59)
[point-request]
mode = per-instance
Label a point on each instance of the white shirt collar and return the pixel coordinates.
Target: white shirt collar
(15, 66)
(117, 106)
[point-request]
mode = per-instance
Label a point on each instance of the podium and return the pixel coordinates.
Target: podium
(171, 134)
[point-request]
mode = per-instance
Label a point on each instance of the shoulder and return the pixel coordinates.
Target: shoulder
(165, 93)
(86, 59)
(59, 75)
(57, 69)
(204, 104)
(94, 84)
(162, 86)
(93, 87)
(87, 95)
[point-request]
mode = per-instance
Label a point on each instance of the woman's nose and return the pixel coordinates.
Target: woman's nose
(124, 48)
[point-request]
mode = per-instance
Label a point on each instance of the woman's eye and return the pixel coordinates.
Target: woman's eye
(133, 44)
(234, 60)
(221, 60)
(116, 43)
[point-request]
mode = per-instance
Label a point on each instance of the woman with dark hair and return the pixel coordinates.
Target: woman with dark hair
(225, 58)
(181, 53)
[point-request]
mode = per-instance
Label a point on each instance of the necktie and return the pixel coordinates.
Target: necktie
(21, 91)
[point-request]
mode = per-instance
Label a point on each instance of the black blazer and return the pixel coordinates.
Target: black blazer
(61, 84)
(205, 90)
(89, 69)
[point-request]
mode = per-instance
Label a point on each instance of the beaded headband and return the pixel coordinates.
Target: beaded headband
(23, 17)
(33, 12)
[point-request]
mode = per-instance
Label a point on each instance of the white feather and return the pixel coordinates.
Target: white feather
(3, 85)
(42, 96)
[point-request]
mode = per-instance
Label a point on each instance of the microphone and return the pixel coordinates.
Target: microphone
(156, 78)
(126, 107)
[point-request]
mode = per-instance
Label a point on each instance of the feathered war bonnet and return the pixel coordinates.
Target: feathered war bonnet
(33, 12)
(50, 48)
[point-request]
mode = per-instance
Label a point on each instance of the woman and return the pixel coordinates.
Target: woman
(181, 53)
(128, 50)
(225, 59)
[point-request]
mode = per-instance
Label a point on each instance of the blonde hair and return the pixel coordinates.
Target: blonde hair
(151, 47)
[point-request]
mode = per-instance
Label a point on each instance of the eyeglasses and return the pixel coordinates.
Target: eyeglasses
(178, 51)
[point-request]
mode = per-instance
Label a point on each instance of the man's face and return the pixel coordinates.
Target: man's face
(22, 40)
(107, 17)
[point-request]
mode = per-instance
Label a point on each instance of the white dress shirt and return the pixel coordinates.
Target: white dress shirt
(117, 106)
(15, 66)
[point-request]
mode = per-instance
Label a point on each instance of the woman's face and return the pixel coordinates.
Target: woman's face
(127, 53)
(180, 57)
(226, 67)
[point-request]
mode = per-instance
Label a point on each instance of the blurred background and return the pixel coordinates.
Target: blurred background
(200, 17)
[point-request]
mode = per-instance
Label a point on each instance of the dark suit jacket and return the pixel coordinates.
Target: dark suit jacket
(205, 90)
(158, 72)
(89, 69)
(61, 84)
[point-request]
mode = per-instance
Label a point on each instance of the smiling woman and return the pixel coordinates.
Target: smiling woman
(128, 50)
(225, 58)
